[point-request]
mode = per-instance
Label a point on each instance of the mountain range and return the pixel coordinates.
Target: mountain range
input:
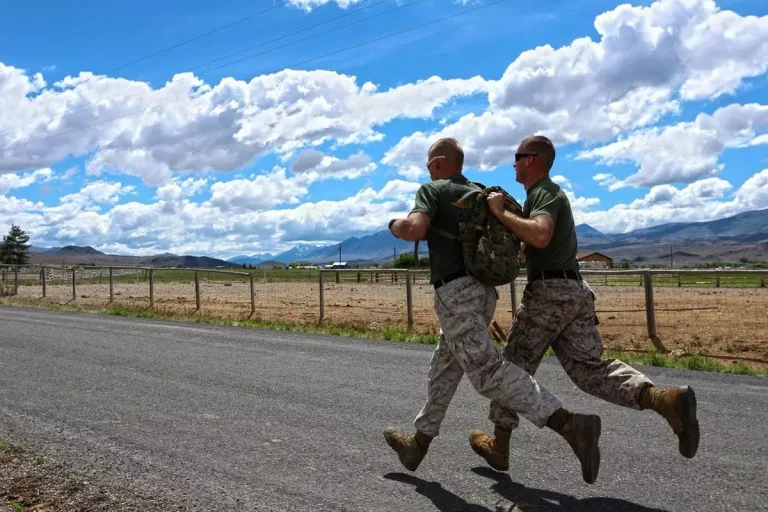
(740, 236)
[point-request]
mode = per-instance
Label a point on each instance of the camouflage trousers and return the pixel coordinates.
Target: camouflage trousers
(465, 308)
(561, 313)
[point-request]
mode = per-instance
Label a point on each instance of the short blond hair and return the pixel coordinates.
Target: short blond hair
(449, 148)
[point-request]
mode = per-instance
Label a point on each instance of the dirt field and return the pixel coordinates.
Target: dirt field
(728, 322)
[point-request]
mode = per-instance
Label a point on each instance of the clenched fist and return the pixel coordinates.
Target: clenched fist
(496, 203)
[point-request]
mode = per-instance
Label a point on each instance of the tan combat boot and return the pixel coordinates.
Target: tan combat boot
(494, 449)
(411, 449)
(582, 431)
(678, 407)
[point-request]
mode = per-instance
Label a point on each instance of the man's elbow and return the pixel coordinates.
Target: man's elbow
(417, 232)
(541, 241)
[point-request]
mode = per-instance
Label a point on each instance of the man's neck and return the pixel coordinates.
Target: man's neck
(534, 180)
(450, 175)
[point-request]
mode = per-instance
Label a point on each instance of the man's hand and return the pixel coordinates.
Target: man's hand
(496, 204)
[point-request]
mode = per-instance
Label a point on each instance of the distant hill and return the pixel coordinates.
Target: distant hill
(744, 235)
(253, 259)
(76, 255)
(587, 230)
(75, 250)
(245, 259)
(378, 247)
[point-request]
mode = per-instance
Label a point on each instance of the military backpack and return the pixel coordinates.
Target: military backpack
(491, 251)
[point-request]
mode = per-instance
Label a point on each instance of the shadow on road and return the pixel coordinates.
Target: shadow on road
(444, 500)
(525, 499)
(530, 499)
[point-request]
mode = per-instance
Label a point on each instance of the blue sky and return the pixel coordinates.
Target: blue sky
(659, 111)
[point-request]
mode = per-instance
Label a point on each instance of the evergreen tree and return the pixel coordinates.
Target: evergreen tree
(15, 247)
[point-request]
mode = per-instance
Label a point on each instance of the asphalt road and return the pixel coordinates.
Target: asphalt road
(227, 418)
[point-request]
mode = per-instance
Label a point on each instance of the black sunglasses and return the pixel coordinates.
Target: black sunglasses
(518, 156)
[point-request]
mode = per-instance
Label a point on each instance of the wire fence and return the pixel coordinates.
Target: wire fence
(722, 312)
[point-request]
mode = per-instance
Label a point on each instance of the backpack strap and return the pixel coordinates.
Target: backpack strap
(443, 233)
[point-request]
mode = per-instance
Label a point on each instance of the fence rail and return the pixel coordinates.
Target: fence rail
(671, 308)
(656, 301)
(71, 274)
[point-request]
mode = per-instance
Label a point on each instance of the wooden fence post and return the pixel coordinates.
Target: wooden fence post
(42, 277)
(15, 281)
(151, 288)
(717, 280)
(197, 291)
(650, 312)
(322, 303)
(111, 286)
(337, 277)
(762, 281)
(409, 299)
(74, 278)
(253, 294)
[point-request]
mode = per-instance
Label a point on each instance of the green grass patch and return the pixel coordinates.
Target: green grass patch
(684, 281)
(694, 362)
(11, 448)
(386, 333)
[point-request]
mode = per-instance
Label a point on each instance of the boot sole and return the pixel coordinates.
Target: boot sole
(590, 466)
(689, 437)
(497, 467)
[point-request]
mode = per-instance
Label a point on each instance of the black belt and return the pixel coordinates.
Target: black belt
(447, 279)
(556, 274)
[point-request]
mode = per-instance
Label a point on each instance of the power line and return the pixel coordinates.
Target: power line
(95, 104)
(330, 54)
(197, 38)
(182, 43)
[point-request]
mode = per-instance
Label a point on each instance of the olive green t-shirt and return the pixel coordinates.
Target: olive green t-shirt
(546, 198)
(434, 198)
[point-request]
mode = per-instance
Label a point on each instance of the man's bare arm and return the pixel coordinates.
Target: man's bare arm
(412, 228)
(536, 232)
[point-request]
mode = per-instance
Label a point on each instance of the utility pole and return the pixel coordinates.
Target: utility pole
(339, 253)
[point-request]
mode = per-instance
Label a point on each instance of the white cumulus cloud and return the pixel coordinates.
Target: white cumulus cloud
(683, 152)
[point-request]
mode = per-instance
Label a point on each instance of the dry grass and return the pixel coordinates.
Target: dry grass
(730, 323)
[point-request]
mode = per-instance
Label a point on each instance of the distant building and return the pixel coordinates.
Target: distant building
(338, 264)
(594, 260)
